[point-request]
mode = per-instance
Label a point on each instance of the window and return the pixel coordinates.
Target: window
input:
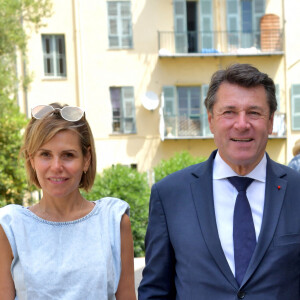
(184, 111)
(119, 24)
(243, 23)
(123, 109)
(295, 92)
(54, 55)
(193, 26)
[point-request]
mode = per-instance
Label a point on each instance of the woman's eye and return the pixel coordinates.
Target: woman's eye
(68, 155)
(45, 154)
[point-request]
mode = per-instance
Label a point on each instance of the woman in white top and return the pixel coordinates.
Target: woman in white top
(64, 247)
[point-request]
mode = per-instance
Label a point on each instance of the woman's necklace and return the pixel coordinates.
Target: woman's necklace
(44, 214)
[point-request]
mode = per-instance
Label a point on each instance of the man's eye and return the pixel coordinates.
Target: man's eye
(254, 113)
(228, 112)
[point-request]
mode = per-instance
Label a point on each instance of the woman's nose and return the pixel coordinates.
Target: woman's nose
(56, 164)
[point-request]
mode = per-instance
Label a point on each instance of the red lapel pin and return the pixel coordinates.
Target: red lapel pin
(279, 187)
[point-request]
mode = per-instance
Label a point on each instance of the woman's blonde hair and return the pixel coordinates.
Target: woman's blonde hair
(38, 132)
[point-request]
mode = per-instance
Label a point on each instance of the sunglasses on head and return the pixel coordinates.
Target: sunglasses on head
(69, 113)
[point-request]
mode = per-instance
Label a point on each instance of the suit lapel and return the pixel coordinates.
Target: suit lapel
(274, 197)
(202, 191)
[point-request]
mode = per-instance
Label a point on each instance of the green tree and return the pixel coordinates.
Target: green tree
(177, 162)
(17, 20)
(12, 175)
(131, 186)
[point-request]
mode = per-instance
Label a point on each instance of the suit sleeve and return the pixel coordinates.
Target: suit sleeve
(158, 274)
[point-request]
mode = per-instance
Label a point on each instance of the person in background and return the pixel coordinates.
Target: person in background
(295, 162)
(64, 247)
(228, 228)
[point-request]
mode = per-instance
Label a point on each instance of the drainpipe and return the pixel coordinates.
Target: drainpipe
(78, 55)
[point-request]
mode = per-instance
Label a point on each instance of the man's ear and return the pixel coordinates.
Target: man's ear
(271, 121)
(210, 121)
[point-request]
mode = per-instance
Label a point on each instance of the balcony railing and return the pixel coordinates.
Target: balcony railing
(218, 43)
(196, 126)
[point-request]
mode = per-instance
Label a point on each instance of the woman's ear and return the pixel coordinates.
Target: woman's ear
(87, 159)
(31, 161)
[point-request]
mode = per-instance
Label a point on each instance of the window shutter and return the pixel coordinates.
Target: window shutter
(48, 55)
(295, 91)
(206, 25)
(170, 111)
(259, 8)
(119, 24)
(247, 33)
(205, 125)
(125, 24)
(60, 55)
(128, 110)
(233, 23)
(180, 26)
(112, 11)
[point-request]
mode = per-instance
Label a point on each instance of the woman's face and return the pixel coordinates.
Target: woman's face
(59, 165)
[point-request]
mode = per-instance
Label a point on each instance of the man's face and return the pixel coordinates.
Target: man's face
(241, 124)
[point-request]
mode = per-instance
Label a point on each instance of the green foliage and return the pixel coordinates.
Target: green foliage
(17, 19)
(131, 186)
(12, 175)
(177, 162)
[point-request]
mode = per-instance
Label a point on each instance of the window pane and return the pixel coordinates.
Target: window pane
(61, 66)
(113, 29)
(129, 125)
(125, 26)
(126, 42)
(297, 105)
(113, 42)
(47, 45)
(115, 96)
(112, 8)
(259, 6)
(60, 46)
(125, 9)
(128, 109)
(49, 67)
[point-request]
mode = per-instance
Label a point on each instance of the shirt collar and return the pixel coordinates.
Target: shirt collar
(222, 170)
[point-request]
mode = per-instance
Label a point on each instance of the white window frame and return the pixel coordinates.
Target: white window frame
(120, 34)
(127, 111)
(171, 112)
(54, 58)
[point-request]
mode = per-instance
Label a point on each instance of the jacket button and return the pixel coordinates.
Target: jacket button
(241, 294)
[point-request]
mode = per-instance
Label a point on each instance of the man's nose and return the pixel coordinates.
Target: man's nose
(242, 121)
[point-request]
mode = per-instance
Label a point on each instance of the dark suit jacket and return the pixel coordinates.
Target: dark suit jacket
(184, 257)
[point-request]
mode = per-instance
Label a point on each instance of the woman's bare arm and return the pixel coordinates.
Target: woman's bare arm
(7, 288)
(126, 290)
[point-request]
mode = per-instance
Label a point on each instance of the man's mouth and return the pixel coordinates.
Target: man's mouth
(242, 140)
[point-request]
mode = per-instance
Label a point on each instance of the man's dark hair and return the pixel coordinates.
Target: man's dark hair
(243, 75)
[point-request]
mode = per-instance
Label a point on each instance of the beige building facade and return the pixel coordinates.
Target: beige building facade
(141, 69)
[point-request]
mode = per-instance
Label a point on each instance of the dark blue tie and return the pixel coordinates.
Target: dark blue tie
(244, 238)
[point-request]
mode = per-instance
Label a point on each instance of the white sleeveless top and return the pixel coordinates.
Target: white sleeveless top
(73, 260)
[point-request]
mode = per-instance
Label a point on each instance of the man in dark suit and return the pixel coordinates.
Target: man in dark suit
(210, 239)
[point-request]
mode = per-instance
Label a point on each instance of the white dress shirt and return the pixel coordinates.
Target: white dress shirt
(224, 200)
